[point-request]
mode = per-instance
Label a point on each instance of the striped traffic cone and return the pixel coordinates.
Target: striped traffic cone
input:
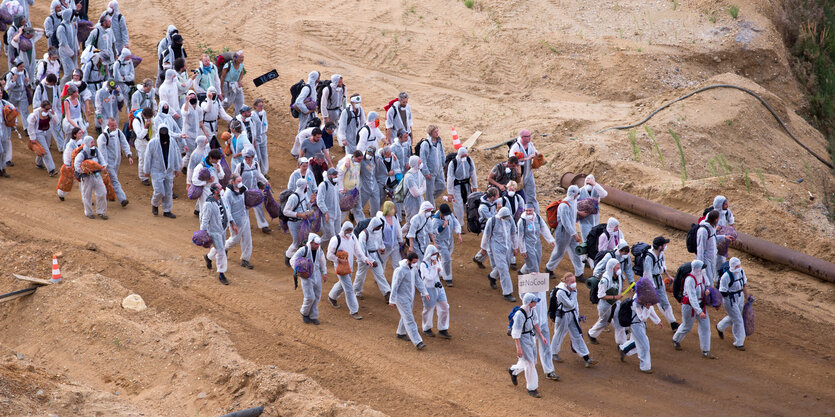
(456, 143)
(56, 271)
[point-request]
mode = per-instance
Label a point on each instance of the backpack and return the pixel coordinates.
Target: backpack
(319, 89)
(625, 313)
(94, 43)
(725, 268)
(473, 203)
(418, 146)
(510, 318)
(640, 251)
(593, 237)
(295, 90)
(600, 255)
(282, 201)
(450, 157)
(10, 113)
(690, 240)
(554, 306)
(400, 190)
(361, 225)
(391, 103)
(223, 58)
(551, 214)
(53, 40)
(592, 283)
(678, 282)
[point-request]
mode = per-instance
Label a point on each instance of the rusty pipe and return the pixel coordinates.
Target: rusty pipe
(682, 221)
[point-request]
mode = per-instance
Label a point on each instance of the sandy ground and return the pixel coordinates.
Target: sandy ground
(565, 69)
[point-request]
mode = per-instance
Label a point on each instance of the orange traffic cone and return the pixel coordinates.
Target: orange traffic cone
(56, 271)
(456, 143)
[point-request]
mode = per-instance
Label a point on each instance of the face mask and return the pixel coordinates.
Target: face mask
(507, 170)
(44, 113)
(427, 214)
(333, 180)
(511, 193)
(588, 187)
(238, 185)
(165, 110)
(193, 101)
(377, 123)
(572, 286)
(347, 235)
(367, 157)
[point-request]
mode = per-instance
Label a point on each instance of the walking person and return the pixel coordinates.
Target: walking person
(566, 235)
(47, 91)
(327, 199)
(566, 315)
(387, 173)
(531, 226)
(369, 136)
(144, 97)
(123, 72)
(296, 209)
(67, 44)
(213, 112)
(487, 208)
(639, 342)
(431, 272)
(192, 117)
(692, 308)
(163, 163)
(333, 99)
(415, 184)
(112, 143)
(342, 249)
(312, 285)
(655, 265)
(308, 91)
(350, 121)
(733, 285)
(210, 163)
(608, 304)
(108, 101)
(369, 189)
(418, 230)
(250, 171)
(445, 226)
(371, 243)
(91, 180)
(524, 146)
(65, 181)
(461, 180)
(215, 219)
(16, 81)
(259, 117)
(706, 241)
(432, 156)
(399, 117)
(524, 331)
(403, 285)
(233, 196)
(392, 235)
(348, 180)
(590, 189)
(143, 128)
(40, 125)
(500, 243)
(726, 220)
(231, 75)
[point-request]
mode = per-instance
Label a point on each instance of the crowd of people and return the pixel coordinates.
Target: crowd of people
(391, 199)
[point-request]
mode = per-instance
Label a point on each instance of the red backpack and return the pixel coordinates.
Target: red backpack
(551, 213)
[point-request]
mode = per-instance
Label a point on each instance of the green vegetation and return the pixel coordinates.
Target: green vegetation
(636, 150)
(681, 155)
(469, 3)
(733, 10)
(550, 47)
(652, 137)
(747, 179)
(212, 53)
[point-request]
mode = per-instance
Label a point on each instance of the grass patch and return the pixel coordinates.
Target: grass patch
(636, 150)
(550, 47)
(746, 178)
(651, 135)
(469, 3)
(681, 155)
(733, 10)
(211, 52)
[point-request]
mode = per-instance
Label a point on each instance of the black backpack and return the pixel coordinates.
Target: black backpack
(361, 225)
(625, 313)
(690, 240)
(640, 251)
(450, 157)
(418, 146)
(593, 237)
(53, 40)
(357, 138)
(593, 283)
(678, 282)
(601, 255)
(473, 203)
(554, 306)
(319, 89)
(295, 90)
(282, 201)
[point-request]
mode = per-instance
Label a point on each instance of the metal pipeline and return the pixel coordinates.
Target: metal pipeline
(682, 221)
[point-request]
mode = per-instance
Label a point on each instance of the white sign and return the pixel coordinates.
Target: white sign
(533, 283)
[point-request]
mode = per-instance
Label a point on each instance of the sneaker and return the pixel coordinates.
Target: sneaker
(556, 358)
(246, 264)
(3, 173)
(91, 217)
(648, 371)
(196, 212)
(286, 260)
(360, 296)
(674, 325)
(266, 230)
(580, 278)
(708, 355)
(387, 297)
(449, 283)
(513, 267)
(550, 274)
(124, 202)
(155, 210)
(591, 362)
(146, 183)
(513, 378)
(333, 302)
(480, 265)
(742, 348)
(61, 198)
(222, 279)
(169, 214)
(552, 376)
(306, 319)
(208, 261)
(315, 321)
(103, 216)
(184, 170)
(52, 173)
(429, 333)
(622, 355)
(175, 196)
(420, 346)
(593, 340)
(9, 163)
(721, 333)
(676, 345)
(356, 316)
(492, 282)
(445, 334)
(534, 393)
(40, 166)
(403, 337)
(510, 298)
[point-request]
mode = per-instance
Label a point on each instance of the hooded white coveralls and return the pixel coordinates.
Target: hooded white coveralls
(403, 285)
(430, 273)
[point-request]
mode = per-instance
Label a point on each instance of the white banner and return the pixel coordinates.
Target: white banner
(533, 283)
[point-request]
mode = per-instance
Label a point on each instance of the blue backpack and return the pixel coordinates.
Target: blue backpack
(510, 318)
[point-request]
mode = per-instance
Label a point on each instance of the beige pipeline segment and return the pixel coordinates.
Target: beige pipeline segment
(682, 221)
